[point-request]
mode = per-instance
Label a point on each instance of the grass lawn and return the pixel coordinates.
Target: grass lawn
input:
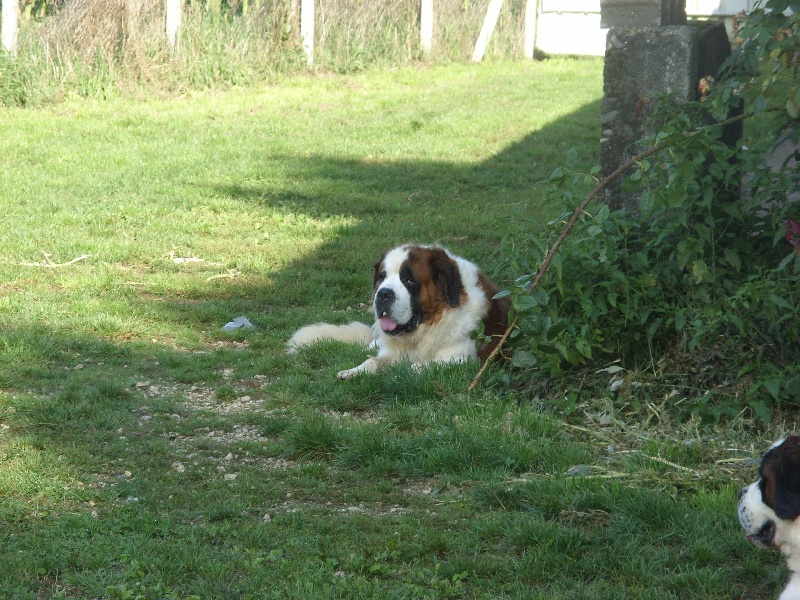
(147, 453)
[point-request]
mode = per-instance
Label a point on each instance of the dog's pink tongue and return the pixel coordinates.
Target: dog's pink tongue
(387, 324)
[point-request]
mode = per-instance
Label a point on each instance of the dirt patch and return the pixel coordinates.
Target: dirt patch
(198, 397)
(377, 509)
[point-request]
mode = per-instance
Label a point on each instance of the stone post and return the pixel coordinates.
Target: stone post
(650, 49)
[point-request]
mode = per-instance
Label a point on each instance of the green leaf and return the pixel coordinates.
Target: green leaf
(502, 294)
(732, 258)
(556, 328)
(762, 411)
(785, 262)
(760, 104)
(523, 359)
(700, 272)
(524, 303)
(594, 230)
(686, 170)
(557, 175)
(523, 280)
(541, 296)
(545, 323)
(572, 157)
(602, 214)
(676, 196)
(780, 233)
(773, 386)
(647, 203)
(792, 108)
(683, 254)
(778, 301)
(653, 328)
(584, 347)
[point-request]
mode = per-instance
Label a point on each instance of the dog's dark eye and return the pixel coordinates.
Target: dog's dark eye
(382, 275)
(408, 278)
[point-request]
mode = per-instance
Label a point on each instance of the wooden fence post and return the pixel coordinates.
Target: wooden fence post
(489, 23)
(307, 28)
(131, 23)
(426, 25)
(173, 22)
(531, 23)
(10, 22)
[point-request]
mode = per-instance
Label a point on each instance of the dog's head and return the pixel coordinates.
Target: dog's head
(769, 508)
(414, 285)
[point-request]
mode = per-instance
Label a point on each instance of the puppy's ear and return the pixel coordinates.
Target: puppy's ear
(786, 471)
(447, 276)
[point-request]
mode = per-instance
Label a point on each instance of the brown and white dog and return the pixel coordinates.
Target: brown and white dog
(427, 303)
(770, 507)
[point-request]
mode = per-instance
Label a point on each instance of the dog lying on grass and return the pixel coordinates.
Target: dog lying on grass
(427, 303)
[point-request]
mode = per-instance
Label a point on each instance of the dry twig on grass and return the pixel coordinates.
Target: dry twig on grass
(49, 264)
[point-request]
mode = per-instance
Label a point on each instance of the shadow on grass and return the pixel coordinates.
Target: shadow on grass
(371, 187)
(393, 202)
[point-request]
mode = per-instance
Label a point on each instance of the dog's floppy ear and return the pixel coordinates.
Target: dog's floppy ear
(783, 464)
(447, 276)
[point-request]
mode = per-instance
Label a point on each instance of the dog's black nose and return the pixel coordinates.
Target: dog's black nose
(384, 296)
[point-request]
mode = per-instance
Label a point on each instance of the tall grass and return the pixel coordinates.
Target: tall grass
(92, 48)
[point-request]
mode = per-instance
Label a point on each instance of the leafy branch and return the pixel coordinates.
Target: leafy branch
(671, 141)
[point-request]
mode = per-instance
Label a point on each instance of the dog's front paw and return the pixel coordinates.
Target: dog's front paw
(348, 374)
(368, 366)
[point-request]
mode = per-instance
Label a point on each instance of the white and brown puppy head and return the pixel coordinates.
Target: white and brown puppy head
(414, 285)
(770, 507)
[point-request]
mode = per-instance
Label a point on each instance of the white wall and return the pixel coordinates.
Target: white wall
(573, 26)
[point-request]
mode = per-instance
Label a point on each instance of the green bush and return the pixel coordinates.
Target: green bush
(699, 270)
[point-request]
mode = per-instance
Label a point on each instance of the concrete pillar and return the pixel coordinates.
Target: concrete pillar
(649, 50)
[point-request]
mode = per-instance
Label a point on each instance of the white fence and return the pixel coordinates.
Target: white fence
(552, 26)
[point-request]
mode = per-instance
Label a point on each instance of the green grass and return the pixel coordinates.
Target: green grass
(147, 453)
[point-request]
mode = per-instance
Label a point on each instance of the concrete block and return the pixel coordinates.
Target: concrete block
(642, 62)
